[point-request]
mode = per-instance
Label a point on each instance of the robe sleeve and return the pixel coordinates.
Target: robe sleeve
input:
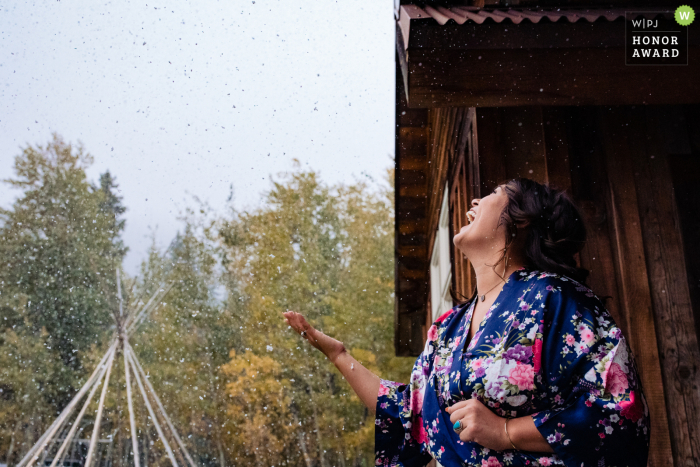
(598, 414)
(400, 439)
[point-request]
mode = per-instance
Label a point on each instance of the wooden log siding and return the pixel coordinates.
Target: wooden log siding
(663, 247)
(631, 273)
(619, 164)
(411, 187)
(452, 134)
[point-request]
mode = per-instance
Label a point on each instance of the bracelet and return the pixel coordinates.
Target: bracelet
(505, 427)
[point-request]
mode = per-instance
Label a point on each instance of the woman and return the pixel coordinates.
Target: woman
(531, 370)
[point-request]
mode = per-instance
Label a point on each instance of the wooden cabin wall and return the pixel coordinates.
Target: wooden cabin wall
(685, 171)
(411, 186)
(629, 169)
(618, 164)
(451, 145)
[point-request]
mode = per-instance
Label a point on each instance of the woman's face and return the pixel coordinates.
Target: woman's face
(483, 230)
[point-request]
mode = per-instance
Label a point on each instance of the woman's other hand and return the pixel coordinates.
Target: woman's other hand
(479, 425)
(330, 347)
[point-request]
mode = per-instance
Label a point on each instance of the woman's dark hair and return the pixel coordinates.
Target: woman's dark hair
(554, 229)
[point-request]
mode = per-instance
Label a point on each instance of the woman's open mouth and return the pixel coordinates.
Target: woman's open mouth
(471, 215)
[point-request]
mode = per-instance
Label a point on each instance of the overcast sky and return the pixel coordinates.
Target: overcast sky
(179, 98)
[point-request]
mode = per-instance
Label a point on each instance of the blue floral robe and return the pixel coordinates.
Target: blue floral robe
(547, 348)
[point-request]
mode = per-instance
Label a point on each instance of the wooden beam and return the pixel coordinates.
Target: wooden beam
(427, 34)
(517, 77)
(411, 173)
(410, 161)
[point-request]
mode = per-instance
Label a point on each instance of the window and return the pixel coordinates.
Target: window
(440, 264)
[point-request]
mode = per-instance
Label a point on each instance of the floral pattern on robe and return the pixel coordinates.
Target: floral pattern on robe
(547, 348)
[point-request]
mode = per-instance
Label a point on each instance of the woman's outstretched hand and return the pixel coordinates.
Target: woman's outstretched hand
(330, 347)
(363, 382)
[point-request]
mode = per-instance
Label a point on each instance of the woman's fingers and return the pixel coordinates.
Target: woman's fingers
(296, 321)
(459, 414)
(457, 411)
(458, 405)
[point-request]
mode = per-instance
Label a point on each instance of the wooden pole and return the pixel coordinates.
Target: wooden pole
(136, 315)
(96, 430)
(131, 327)
(150, 411)
(162, 411)
(43, 440)
(132, 421)
(76, 423)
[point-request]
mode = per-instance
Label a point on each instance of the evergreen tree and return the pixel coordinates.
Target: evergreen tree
(59, 248)
(113, 208)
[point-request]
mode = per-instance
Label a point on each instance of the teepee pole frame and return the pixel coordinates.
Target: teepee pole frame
(48, 435)
(139, 318)
(162, 409)
(98, 419)
(132, 420)
(127, 324)
(76, 423)
(171, 455)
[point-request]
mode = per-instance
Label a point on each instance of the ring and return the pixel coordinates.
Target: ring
(303, 333)
(458, 426)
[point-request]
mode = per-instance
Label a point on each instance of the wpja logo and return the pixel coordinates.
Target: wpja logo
(657, 38)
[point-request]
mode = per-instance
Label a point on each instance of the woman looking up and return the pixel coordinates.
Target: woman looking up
(531, 370)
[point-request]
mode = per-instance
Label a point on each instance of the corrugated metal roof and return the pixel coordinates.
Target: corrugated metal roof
(461, 15)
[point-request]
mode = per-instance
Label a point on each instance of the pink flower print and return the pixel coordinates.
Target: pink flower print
(458, 339)
(416, 401)
(544, 461)
(632, 409)
(522, 376)
(418, 431)
(614, 379)
(383, 390)
(443, 316)
(587, 336)
(432, 333)
(570, 340)
(524, 306)
(537, 355)
(490, 462)
(549, 287)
